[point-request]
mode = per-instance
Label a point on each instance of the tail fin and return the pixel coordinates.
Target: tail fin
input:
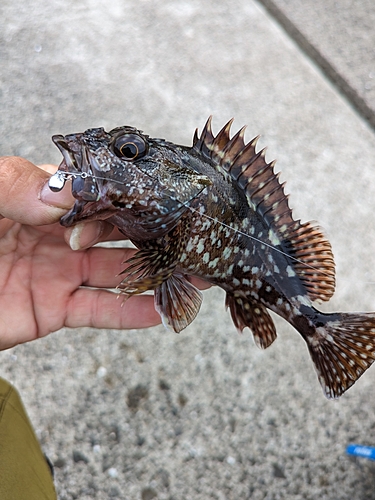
(342, 348)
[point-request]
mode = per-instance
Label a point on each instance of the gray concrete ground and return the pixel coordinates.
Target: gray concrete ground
(204, 414)
(340, 38)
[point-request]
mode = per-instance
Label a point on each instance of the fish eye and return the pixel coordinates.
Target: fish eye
(129, 147)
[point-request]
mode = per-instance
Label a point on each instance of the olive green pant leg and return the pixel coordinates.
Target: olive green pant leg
(24, 473)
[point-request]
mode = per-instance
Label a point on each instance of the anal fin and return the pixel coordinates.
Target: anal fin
(178, 302)
(254, 315)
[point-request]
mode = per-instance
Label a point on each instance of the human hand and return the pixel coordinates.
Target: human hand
(44, 284)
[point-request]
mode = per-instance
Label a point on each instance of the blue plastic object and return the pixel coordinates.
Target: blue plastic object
(361, 451)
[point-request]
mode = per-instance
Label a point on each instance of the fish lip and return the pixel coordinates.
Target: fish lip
(74, 161)
(65, 150)
(80, 163)
(70, 218)
(80, 212)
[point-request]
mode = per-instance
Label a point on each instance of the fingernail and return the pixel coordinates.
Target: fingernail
(85, 235)
(60, 199)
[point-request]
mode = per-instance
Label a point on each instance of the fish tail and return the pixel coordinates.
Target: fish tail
(342, 347)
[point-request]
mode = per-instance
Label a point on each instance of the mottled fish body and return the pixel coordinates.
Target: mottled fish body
(216, 210)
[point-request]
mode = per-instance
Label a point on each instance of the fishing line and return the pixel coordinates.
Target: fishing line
(62, 177)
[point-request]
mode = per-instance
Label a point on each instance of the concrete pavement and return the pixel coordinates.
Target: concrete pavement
(339, 37)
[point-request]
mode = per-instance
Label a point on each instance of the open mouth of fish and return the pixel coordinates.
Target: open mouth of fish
(78, 167)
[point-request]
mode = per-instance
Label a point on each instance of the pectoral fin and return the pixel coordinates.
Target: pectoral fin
(178, 302)
(147, 270)
(155, 263)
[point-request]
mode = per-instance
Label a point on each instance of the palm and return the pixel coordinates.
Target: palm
(42, 285)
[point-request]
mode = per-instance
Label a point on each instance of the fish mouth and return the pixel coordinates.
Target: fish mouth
(77, 167)
(67, 152)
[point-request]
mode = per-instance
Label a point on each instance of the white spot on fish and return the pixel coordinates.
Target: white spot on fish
(273, 238)
(206, 225)
(191, 244)
(290, 272)
(200, 246)
(227, 253)
(206, 257)
(319, 336)
(302, 300)
(213, 263)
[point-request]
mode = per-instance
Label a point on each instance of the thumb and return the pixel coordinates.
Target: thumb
(25, 196)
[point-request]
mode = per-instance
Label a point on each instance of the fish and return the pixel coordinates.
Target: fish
(217, 211)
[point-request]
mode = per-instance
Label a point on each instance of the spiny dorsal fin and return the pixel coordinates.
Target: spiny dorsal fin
(265, 194)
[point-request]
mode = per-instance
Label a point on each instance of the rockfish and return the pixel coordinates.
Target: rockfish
(215, 210)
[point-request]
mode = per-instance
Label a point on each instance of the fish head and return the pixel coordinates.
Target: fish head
(126, 177)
